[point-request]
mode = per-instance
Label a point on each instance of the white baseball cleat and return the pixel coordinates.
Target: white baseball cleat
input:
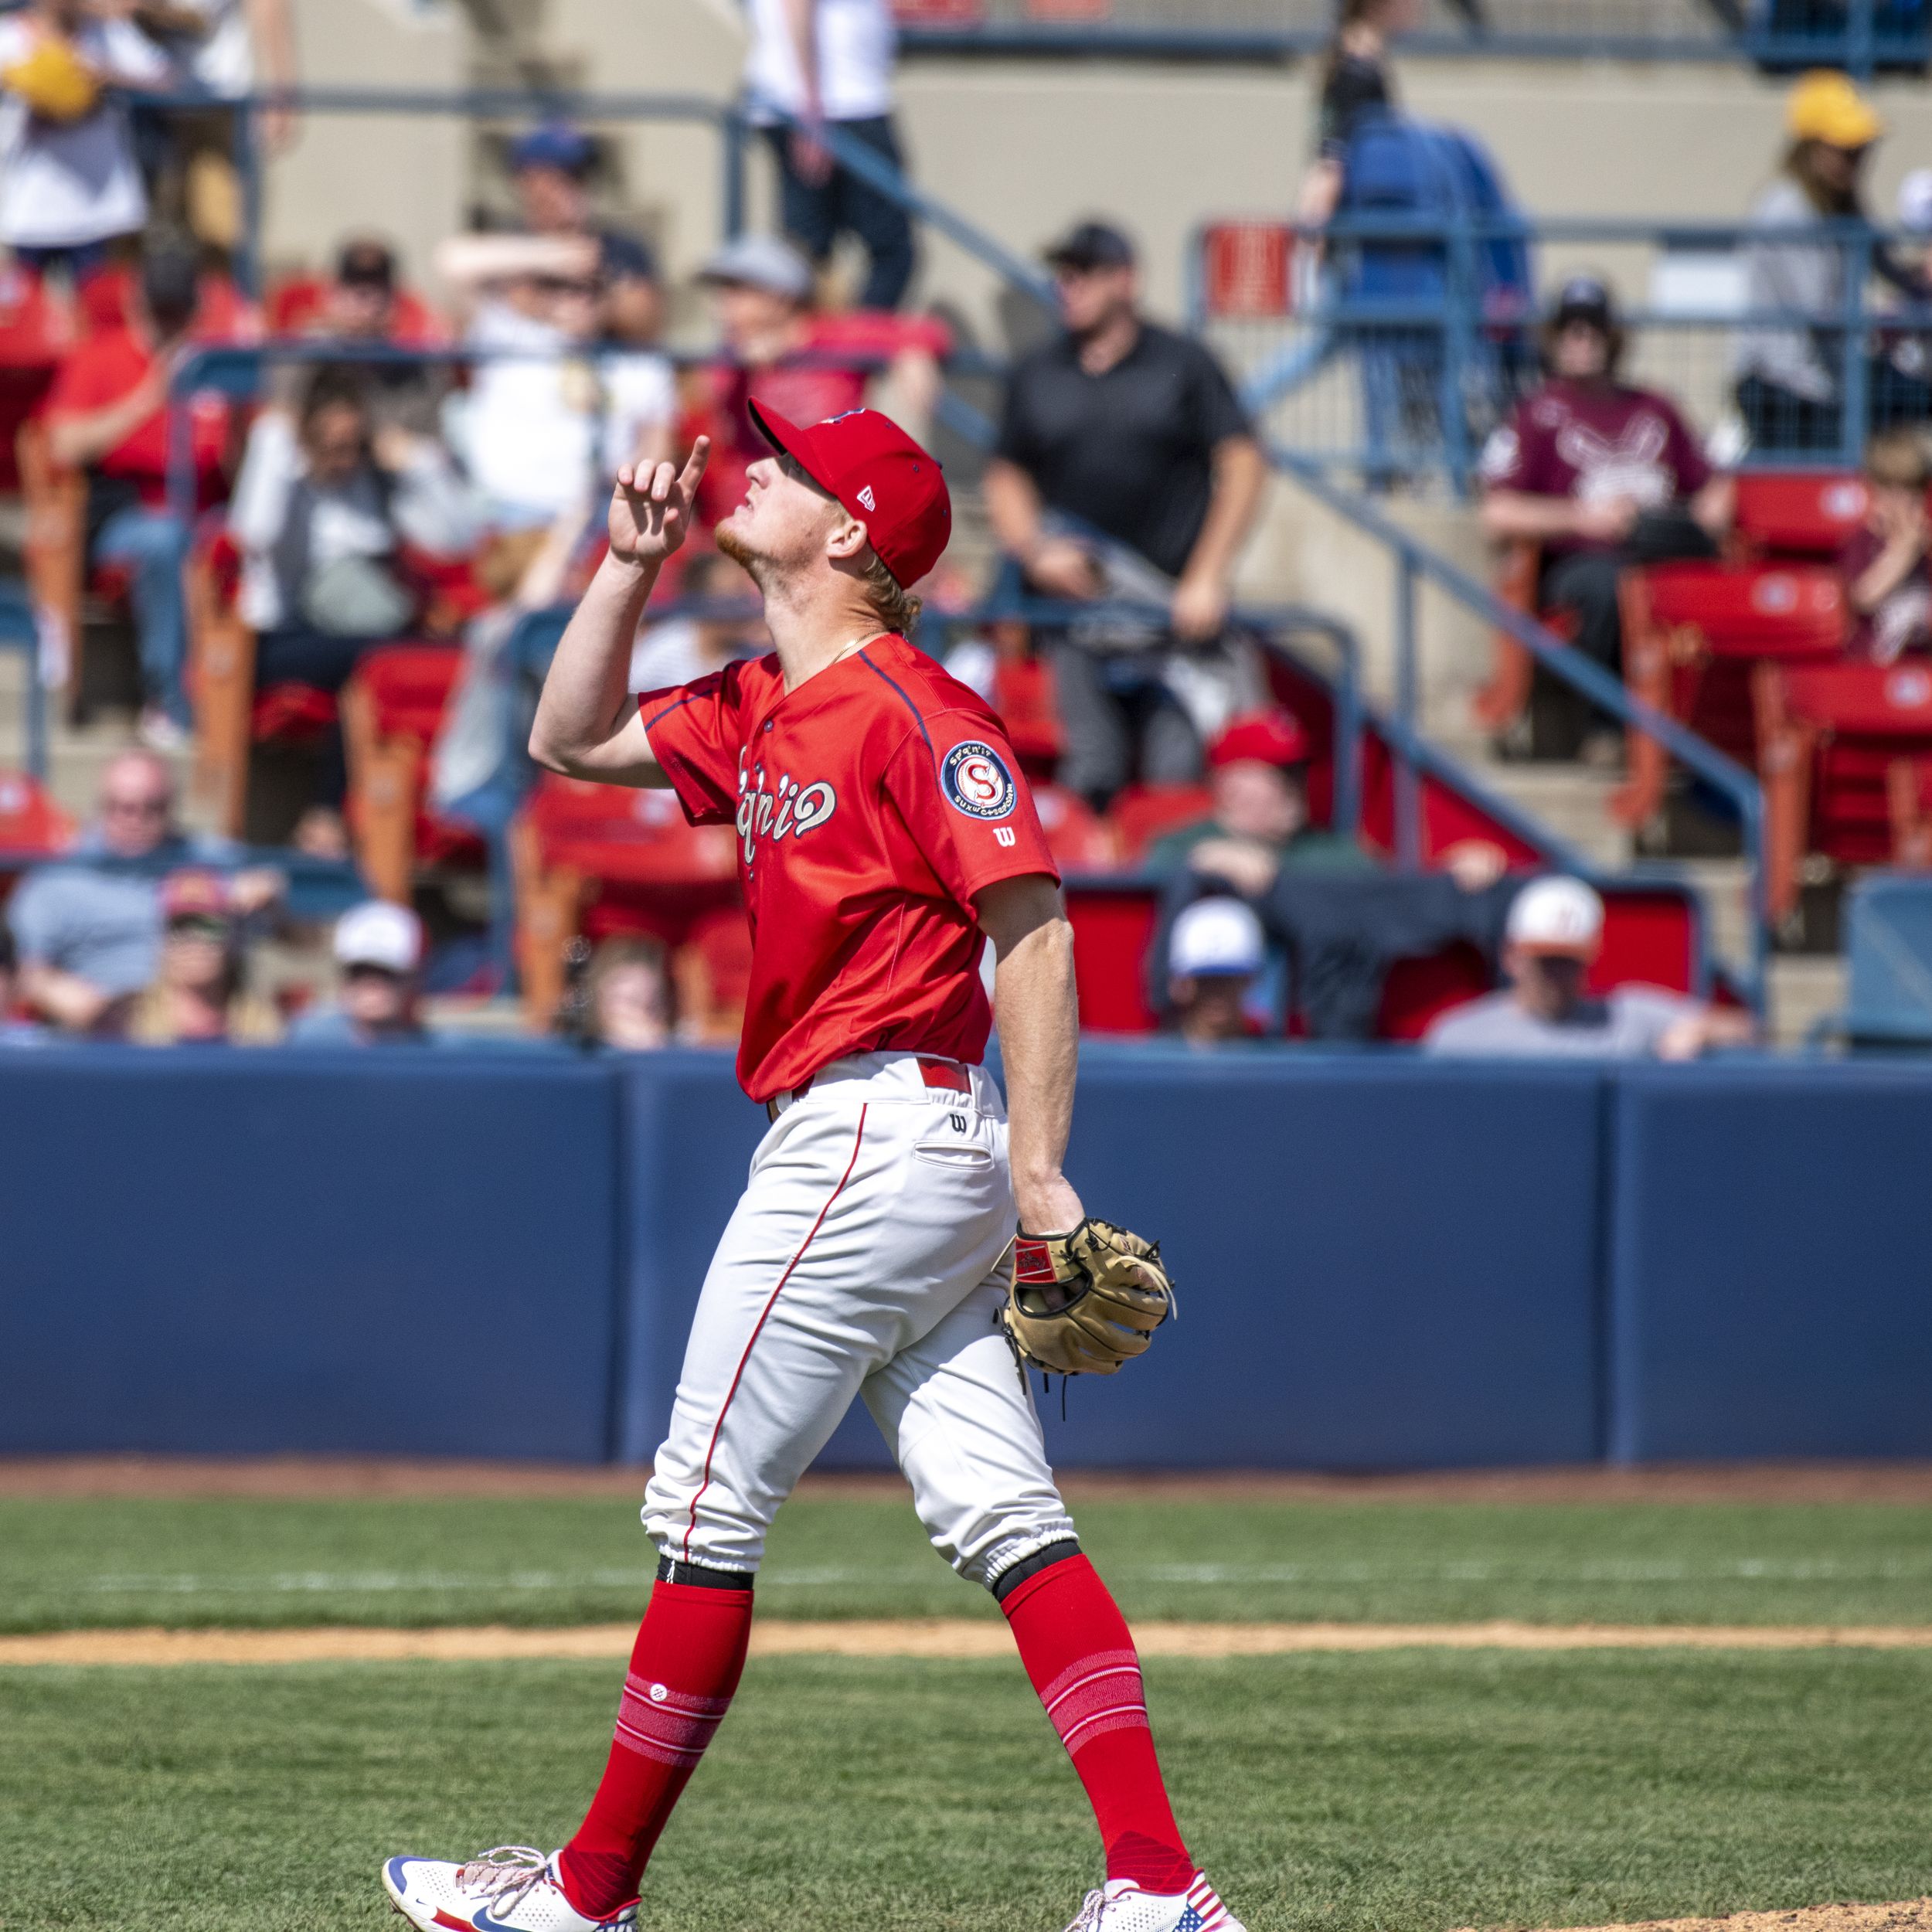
(513, 1889)
(1120, 1906)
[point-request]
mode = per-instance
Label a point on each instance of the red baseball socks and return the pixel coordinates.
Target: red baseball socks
(1077, 1650)
(685, 1667)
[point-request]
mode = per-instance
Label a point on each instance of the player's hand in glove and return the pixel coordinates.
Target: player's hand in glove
(1083, 1303)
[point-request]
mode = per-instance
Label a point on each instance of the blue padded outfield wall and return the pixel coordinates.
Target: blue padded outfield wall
(1382, 1262)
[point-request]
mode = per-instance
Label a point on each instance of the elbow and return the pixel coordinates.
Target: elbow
(547, 752)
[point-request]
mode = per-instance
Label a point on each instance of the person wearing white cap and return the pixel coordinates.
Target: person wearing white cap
(1554, 931)
(1214, 955)
(378, 948)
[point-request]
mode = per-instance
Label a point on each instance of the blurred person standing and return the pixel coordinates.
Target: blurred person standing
(1258, 823)
(199, 996)
(1122, 449)
(379, 949)
(829, 64)
(1215, 953)
(227, 49)
(553, 412)
(1554, 932)
(551, 167)
(108, 414)
(89, 925)
(1355, 82)
(1789, 373)
(1599, 475)
(68, 181)
(780, 351)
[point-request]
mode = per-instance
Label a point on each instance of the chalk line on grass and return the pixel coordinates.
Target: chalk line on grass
(942, 1638)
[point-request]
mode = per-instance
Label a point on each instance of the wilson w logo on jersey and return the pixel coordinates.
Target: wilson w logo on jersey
(788, 809)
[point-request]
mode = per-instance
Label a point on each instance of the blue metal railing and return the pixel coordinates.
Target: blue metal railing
(1862, 35)
(1325, 373)
(1414, 561)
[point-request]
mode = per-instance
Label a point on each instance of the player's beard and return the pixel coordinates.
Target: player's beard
(756, 564)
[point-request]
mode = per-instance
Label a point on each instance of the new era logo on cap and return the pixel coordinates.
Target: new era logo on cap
(865, 459)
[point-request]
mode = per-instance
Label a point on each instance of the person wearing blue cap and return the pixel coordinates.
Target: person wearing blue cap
(551, 167)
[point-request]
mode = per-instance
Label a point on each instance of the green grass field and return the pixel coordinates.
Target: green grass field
(530, 1560)
(1406, 1792)
(1414, 1791)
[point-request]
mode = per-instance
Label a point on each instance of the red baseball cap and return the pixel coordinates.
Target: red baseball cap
(884, 479)
(1273, 737)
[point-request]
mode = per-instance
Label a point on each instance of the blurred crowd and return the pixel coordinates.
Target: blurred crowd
(411, 470)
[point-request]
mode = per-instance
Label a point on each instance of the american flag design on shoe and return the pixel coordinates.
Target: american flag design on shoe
(1100, 1693)
(672, 1726)
(1205, 1911)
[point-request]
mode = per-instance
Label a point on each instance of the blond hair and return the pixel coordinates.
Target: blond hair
(1899, 460)
(895, 606)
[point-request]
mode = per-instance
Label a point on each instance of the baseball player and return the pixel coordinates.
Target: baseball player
(885, 836)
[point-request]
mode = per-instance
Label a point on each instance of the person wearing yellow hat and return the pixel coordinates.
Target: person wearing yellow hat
(68, 180)
(1789, 373)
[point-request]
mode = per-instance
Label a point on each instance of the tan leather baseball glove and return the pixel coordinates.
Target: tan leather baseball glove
(1083, 1303)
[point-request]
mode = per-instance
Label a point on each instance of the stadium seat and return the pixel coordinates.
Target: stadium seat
(1829, 737)
(1142, 814)
(295, 307)
(1079, 838)
(940, 13)
(1023, 696)
(602, 860)
(1247, 271)
(712, 973)
(1888, 958)
(1505, 699)
(1691, 634)
(1796, 515)
(32, 825)
(391, 709)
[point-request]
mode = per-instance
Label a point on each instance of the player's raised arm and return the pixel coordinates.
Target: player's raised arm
(587, 726)
(1039, 1026)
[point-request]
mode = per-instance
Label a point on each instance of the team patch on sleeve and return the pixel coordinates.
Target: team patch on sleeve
(975, 780)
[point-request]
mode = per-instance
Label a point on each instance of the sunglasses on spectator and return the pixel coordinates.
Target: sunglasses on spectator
(199, 926)
(368, 969)
(155, 808)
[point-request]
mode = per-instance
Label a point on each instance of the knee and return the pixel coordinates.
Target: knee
(705, 1525)
(985, 1541)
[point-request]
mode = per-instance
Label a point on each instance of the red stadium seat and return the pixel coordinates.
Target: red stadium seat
(1691, 633)
(1079, 838)
(1513, 672)
(1829, 738)
(940, 13)
(609, 859)
(1803, 514)
(1142, 814)
(391, 710)
(1023, 696)
(30, 821)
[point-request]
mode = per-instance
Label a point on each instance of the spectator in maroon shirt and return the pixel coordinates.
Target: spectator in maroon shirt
(1885, 564)
(1599, 475)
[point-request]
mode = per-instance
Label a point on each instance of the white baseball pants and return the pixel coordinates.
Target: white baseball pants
(867, 1254)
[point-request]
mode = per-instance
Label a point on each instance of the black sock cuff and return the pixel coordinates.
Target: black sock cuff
(704, 1577)
(1011, 1578)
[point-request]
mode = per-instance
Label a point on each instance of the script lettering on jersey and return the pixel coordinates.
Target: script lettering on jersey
(786, 809)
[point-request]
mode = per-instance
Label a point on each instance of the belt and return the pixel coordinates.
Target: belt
(944, 1076)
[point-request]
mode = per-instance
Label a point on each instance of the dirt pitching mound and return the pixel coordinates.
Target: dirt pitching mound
(945, 1638)
(1912, 1915)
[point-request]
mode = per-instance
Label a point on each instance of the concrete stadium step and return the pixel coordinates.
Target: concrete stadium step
(1572, 801)
(1803, 987)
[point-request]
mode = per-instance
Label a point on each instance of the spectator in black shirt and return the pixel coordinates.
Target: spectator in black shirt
(1356, 81)
(1126, 468)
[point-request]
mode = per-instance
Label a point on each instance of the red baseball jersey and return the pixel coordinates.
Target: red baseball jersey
(872, 803)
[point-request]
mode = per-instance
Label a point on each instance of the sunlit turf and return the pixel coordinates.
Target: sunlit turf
(535, 1561)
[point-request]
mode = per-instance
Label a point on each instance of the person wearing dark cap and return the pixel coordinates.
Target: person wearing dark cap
(551, 167)
(108, 414)
(815, 65)
(1124, 459)
(1259, 823)
(1599, 475)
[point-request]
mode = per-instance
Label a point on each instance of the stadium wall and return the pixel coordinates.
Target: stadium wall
(1381, 1262)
